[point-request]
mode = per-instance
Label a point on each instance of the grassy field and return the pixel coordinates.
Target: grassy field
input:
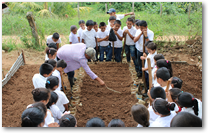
(167, 25)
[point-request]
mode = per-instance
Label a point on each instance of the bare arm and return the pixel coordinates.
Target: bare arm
(119, 37)
(138, 37)
(79, 39)
(131, 13)
(132, 37)
(82, 40)
(57, 45)
(66, 107)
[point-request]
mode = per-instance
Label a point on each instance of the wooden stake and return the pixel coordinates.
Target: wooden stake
(23, 57)
(150, 73)
(143, 76)
(160, 10)
(168, 85)
(189, 10)
(113, 52)
(132, 6)
(78, 10)
(62, 83)
(106, 7)
(124, 44)
(3, 73)
(32, 24)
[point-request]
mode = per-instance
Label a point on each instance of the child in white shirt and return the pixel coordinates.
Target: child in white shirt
(52, 62)
(95, 27)
(102, 38)
(151, 48)
(54, 39)
(73, 38)
(117, 44)
(162, 108)
(52, 83)
(51, 53)
(89, 35)
(61, 65)
(50, 45)
(39, 79)
(79, 32)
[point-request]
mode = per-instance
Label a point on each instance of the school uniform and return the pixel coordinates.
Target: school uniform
(57, 114)
(39, 81)
(104, 45)
(50, 40)
(117, 47)
(151, 56)
(79, 33)
(163, 121)
(152, 114)
(49, 119)
(46, 58)
(73, 38)
(89, 38)
(130, 46)
(190, 109)
(139, 125)
(139, 46)
(154, 81)
(58, 74)
(98, 43)
(62, 99)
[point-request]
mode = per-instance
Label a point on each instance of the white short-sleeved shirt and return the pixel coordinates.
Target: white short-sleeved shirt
(118, 43)
(57, 114)
(79, 33)
(102, 35)
(118, 17)
(166, 86)
(49, 119)
(139, 43)
(39, 81)
(46, 58)
(89, 38)
(153, 71)
(152, 114)
(151, 56)
(50, 40)
(132, 31)
(190, 110)
(62, 99)
(73, 38)
(139, 125)
(57, 74)
(163, 121)
(98, 43)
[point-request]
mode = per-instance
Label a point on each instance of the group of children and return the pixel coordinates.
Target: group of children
(173, 108)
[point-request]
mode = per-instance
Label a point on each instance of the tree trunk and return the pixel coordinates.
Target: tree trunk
(32, 24)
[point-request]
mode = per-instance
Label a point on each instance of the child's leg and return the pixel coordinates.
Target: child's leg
(139, 54)
(101, 53)
(109, 55)
(133, 56)
(127, 52)
(118, 54)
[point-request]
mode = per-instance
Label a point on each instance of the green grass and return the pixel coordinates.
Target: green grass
(162, 26)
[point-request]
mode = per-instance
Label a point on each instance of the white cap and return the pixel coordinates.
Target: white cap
(91, 53)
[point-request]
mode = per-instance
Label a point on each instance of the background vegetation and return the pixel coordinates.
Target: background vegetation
(174, 19)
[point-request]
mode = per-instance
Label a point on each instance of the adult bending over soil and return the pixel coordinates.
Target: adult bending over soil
(77, 56)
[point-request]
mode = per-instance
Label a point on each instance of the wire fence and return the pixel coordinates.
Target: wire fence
(18, 63)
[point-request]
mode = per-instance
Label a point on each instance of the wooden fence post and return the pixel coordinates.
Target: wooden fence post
(23, 57)
(160, 10)
(32, 24)
(106, 7)
(132, 6)
(189, 10)
(78, 10)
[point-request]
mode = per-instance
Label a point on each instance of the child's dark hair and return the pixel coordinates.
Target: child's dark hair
(32, 117)
(177, 82)
(186, 119)
(130, 19)
(186, 99)
(163, 73)
(81, 22)
(51, 82)
(152, 46)
(52, 45)
(51, 61)
(102, 24)
(73, 27)
(50, 51)
(40, 94)
(147, 43)
(137, 20)
(89, 23)
(53, 99)
(45, 68)
(140, 114)
(67, 120)
(95, 23)
(95, 122)
(112, 18)
(117, 22)
(165, 63)
(61, 63)
(143, 23)
(157, 92)
(55, 35)
(174, 92)
(138, 23)
(162, 106)
(39, 105)
(116, 123)
(158, 56)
